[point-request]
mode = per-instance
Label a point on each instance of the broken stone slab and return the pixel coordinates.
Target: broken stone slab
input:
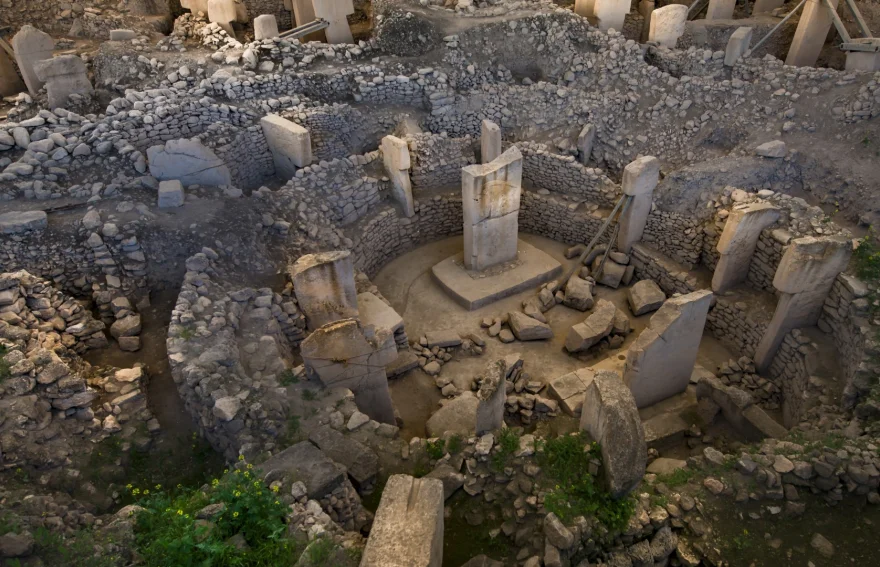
(739, 410)
(666, 466)
(171, 194)
(612, 273)
(526, 328)
(774, 149)
(396, 158)
(645, 296)
(578, 294)
(324, 287)
(306, 463)
(458, 415)
(373, 311)
(406, 360)
(31, 46)
(63, 76)
(443, 339)
(660, 362)
(408, 528)
(452, 479)
(639, 179)
(593, 329)
(569, 389)
(290, 144)
(585, 142)
(611, 418)
(23, 221)
(360, 461)
(189, 161)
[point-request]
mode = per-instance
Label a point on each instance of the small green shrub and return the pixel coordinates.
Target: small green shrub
(4, 366)
(309, 395)
(291, 433)
(455, 444)
(508, 444)
(288, 378)
(574, 491)
(678, 477)
(321, 551)
(436, 449)
(186, 333)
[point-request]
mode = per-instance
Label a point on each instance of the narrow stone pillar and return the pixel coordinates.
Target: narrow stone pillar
(720, 9)
(395, 156)
(63, 76)
(737, 45)
(667, 24)
(611, 13)
(660, 362)
(335, 12)
(490, 141)
(610, 416)
(324, 287)
(346, 355)
(303, 13)
(493, 393)
(584, 8)
(764, 6)
(804, 278)
(490, 200)
(290, 144)
(30, 46)
(811, 33)
(265, 27)
(585, 142)
(10, 83)
(646, 8)
(639, 179)
(738, 241)
(408, 528)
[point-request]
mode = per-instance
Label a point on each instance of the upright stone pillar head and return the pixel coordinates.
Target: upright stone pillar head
(667, 24)
(584, 8)
(737, 45)
(63, 76)
(738, 241)
(490, 200)
(223, 13)
(804, 278)
(811, 33)
(640, 178)
(493, 393)
(346, 355)
(30, 46)
(611, 13)
(324, 287)
(720, 9)
(660, 362)
(490, 141)
(290, 144)
(395, 156)
(335, 12)
(265, 27)
(585, 142)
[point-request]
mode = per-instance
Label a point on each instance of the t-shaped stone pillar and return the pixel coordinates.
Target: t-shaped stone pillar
(346, 355)
(265, 27)
(335, 12)
(63, 75)
(490, 200)
(395, 156)
(324, 287)
(667, 24)
(490, 141)
(804, 278)
(611, 13)
(811, 33)
(640, 178)
(30, 46)
(738, 241)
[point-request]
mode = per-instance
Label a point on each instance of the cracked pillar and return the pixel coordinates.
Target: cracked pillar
(611, 13)
(395, 156)
(335, 12)
(738, 241)
(345, 354)
(640, 178)
(811, 33)
(324, 287)
(490, 141)
(490, 200)
(804, 278)
(720, 9)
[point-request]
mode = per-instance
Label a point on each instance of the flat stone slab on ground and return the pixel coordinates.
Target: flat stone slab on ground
(443, 339)
(666, 466)
(569, 389)
(15, 222)
(361, 462)
(665, 430)
(374, 311)
(526, 328)
(309, 464)
(406, 360)
(473, 290)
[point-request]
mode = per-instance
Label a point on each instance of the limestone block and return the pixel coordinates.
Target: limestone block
(578, 294)
(612, 272)
(593, 329)
(30, 46)
(188, 161)
(641, 175)
(490, 200)
(373, 311)
(408, 528)
(646, 8)
(290, 144)
(774, 149)
(569, 389)
(395, 156)
(227, 11)
(458, 415)
(335, 12)
(22, 221)
(171, 194)
(720, 9)
(324, 287)
(667, 24)
(265, 27)
(811, 33)
(611, 418)
(122, 35)
(490, 141)
(361, 462)
(811, 263)
(584, 8)
(737, 45)
(526, 328)
(585, 142)
(645, 296)
(611, 13)
(660, 362)
(303, 13)
(738, 242)
(10, 83)
(306, 463)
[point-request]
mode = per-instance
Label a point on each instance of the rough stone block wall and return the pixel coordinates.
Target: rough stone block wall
(274, 7)
(732, 323)
(790, 372)
(343, 185)
(437, 159)
(56, 257)
(564, 174)
(670, 276)
(709, 255)
(331, 128)
(400, 89)
(562, 221)
(244, 151)
(768, 254)
(677, 236)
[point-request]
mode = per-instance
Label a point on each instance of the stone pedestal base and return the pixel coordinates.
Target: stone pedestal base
(473, 289)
